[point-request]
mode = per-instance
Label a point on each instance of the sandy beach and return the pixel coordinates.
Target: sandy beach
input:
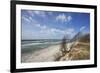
(53, 53)
(46, 54)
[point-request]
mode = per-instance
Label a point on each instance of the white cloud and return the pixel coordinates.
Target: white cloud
(40, 13)
(50, 13)
(38, 25)
(30, 18)
(63, 18)
(30, 13)
(36, 12)
(54, 31)
(82, 28)
(68, 31)
(43, 27)
(47, 30)
(26, 19)
(69, 18)
(44, 30)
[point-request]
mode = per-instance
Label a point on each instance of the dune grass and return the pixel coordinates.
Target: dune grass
(81, 51)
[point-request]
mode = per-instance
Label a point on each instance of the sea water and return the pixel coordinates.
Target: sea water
(28, 46)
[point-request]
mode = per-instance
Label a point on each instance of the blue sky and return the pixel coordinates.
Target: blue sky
(52, 24)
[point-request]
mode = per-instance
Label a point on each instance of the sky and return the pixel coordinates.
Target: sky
(36, 24)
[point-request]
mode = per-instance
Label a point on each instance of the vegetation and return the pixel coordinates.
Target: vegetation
(79, 51)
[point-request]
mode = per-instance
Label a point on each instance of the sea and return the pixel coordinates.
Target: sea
(28, 46)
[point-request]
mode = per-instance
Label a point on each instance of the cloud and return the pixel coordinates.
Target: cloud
(44, 27)
(47, 30)
(40, 13)
(26, 19)
(63, 18)
(82, 28)
(69, 18)
(38, 25)
(30, 12)
(36, 12)
(30, 18)
(69, 31)
(54, 31)
(50, 13)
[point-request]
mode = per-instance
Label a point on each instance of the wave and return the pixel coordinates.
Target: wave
(29, 44)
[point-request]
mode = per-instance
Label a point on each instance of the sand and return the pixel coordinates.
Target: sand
(80, 51)
(46, 54)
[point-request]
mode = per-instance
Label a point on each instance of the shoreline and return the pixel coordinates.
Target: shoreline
(46, 54)
(80, 51)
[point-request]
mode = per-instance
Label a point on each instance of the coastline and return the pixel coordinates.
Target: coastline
(80, 51)
(46, 54)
